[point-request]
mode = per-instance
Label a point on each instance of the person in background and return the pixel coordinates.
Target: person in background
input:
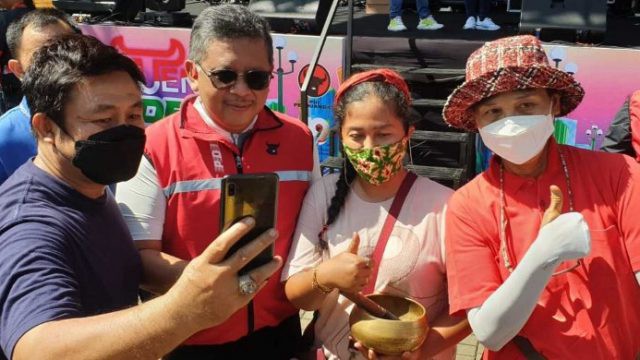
(478, 16)
(426, 20)
(10, 85)
(172, 205)
(24, 37)
(69, 272)
(623, 136)
(342, 220)
(543, 248)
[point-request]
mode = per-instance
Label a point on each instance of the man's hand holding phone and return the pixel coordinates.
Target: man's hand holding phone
(208, 291)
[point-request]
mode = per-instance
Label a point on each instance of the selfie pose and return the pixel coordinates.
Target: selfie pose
(339, 244)
(543, 248)
(172, 205)
(69, 272)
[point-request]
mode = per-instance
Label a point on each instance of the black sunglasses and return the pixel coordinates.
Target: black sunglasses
(224, 79)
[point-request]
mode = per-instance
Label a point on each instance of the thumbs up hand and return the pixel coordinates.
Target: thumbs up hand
(354, 245)
(346, 271)
(555, 205)
(562, 236)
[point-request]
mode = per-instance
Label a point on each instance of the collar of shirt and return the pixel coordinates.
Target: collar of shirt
(212, 124)
(513, 182)
(24, 107)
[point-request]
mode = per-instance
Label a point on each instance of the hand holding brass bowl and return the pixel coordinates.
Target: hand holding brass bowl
(390, 337)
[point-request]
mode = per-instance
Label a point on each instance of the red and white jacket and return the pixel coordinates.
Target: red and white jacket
(191, 158)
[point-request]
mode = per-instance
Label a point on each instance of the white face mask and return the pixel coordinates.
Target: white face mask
(518, 139)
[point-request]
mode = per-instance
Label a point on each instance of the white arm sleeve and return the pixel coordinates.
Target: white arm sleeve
(142, 203)
(501, 317)
(638, 277)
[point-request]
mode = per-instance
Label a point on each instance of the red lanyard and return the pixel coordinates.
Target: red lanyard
(387, 228)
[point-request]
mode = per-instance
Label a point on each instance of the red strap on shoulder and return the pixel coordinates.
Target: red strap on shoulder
(387, 228)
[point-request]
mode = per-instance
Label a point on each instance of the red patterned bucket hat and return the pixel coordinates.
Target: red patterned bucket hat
(512, 63)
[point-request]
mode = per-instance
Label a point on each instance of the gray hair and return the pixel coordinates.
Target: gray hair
(227, 22)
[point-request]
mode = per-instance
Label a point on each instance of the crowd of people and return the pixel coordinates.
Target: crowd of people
(538, 256)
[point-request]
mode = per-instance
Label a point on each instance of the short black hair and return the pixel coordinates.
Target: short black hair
(38, 19)
(225, 22)
(59, 66)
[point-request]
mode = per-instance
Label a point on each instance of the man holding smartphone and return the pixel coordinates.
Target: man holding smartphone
(172, 205)
(69, 272)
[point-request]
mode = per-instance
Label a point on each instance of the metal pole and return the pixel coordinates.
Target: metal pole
(348, 48)
(280, 72)
(304, 105)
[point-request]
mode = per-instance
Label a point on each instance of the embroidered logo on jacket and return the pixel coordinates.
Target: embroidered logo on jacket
(217, 158)
(272, 149)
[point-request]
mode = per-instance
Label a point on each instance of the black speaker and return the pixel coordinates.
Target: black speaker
(293, 15)
(115, 10)
(578, 15)
(165, 5)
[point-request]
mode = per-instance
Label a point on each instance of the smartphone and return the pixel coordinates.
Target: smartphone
(254, 195)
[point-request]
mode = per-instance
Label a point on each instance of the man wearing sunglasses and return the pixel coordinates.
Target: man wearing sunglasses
(172, 205)
(561, 283)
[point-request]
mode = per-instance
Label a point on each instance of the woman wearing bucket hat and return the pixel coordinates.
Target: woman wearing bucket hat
(560, 283)
(340, 243)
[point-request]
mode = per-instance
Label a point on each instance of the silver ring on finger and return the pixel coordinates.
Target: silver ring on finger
(247, 285)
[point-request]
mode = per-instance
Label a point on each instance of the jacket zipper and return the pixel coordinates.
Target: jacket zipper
(239, 169)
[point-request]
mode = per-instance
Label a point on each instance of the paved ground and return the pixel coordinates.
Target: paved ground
(468, 349)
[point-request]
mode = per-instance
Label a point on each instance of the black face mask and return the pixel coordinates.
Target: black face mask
(112, 155)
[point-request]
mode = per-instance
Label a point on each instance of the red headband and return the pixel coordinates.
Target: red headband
(385, 75)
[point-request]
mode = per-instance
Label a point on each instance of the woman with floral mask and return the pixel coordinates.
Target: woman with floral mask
(560, 283)
(345, 240)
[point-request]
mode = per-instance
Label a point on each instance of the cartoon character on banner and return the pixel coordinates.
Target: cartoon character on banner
(321, 96)
(167, 85)
(320, 129)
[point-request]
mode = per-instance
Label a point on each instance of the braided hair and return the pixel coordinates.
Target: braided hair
(390, 95)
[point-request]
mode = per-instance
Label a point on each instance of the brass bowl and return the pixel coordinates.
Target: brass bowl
(390, 337)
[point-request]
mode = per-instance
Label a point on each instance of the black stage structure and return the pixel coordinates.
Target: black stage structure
(432, 62)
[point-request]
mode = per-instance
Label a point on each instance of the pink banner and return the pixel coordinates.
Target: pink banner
(608, 76)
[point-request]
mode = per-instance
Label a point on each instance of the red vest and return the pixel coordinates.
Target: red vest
(190, 158)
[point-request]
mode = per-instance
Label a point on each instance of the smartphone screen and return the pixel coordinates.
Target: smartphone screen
(254, 195)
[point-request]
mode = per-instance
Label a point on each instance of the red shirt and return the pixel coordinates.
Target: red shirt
(592, 312)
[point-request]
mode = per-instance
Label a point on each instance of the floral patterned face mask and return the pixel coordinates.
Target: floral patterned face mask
(378, 164)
